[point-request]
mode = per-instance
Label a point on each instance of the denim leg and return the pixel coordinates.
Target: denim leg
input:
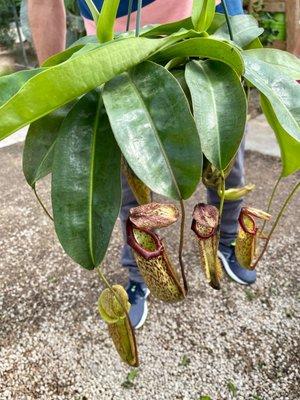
(127, 259)
(231, 208)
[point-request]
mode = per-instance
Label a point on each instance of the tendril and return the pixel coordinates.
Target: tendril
(285, 204)
(42, 204)
(181, 243)
(271, 201)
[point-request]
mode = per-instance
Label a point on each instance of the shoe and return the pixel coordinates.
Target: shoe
(137, 294)
(232, 267)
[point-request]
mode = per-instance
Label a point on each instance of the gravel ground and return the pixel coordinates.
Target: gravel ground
(240, 343)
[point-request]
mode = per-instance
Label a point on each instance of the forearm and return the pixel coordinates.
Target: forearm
(47, 20)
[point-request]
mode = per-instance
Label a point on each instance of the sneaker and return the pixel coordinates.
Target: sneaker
(232, 267)
(137, 294)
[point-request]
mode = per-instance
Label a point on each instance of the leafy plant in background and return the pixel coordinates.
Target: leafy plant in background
(75, 26)
(162, 99)
(7, 37)
(273, 23)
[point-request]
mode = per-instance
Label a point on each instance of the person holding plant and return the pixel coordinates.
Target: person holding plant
(48, 24)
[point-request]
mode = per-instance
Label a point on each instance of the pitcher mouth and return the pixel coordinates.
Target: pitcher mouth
(201, 235)
(133, 243)
(207, 217)
(242, 223)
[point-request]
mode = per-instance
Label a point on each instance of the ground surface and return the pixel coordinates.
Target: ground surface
(54, 346)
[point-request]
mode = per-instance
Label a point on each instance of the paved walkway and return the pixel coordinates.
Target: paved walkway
(53, 344)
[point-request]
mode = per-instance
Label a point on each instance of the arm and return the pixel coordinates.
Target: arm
(47, 20)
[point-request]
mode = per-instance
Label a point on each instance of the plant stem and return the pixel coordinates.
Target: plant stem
(42, 204)
(288, 199)
(129, 15)
(181, 243)
(271, 200)
(222, 199)
(227, 19)
(138, 18)
(93, 10)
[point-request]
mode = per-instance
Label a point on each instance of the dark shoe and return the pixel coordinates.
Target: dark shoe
(232, 267)
(137, 294)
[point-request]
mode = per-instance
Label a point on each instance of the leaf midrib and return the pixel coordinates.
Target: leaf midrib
(44, 158)
(91, 182)
(149, 118)
(215, 113)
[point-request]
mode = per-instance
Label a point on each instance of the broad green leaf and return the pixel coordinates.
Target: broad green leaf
(155, 130)
(205, 48)
(289, 146)
(62, 56)
(244, 27)
(86, 187)
(85, 40)
(220, 109)
(167, 29)
(58, 85)
(106, 20)
(282, 107)
(179, 75)
(255, 44)
(286, 62)
(203, 12)
(39, 145)
(218, 20)
(173, 27)
(11, 84)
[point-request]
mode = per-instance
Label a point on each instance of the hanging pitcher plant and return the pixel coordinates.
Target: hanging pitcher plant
(153, 103)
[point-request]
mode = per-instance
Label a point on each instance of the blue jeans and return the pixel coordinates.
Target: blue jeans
(228, 224)
(235, 7)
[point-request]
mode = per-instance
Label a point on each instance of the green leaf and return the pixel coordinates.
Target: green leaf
(85, 40)
(203, 12)
(167, 29)
(286, 62)
(289, 146)
(173, 27)
(11, 84)
(58, 85)
(62, 56)
(206, 48)
(39, 145)
(281, 105)
(218, 20)
(86, 187)
(220, 109)
(255, 44)
(106, 20)
(244, 27)
(155, 130)
(179, 75)
(231, 386)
